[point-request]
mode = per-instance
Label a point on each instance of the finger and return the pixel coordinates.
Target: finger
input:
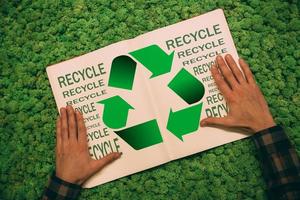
(99, 164)
(226, 72)
(81, 129)
(219, 121)
(247, 71)
(64, 124)
(58, 133)
(220, 82)
(234, 68)
(72, 124)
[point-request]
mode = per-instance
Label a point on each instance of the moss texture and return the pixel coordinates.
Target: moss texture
(36, 34)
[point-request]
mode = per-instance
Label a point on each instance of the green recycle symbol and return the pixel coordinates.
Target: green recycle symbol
(185, 85)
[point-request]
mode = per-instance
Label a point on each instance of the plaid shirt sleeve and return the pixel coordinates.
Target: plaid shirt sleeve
(60, 190)
(280, 163)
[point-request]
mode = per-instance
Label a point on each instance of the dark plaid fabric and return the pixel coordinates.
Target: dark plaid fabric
(280, 163)
(279, 160)
(60, 190)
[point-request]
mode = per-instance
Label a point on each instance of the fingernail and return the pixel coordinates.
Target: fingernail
(213, 66)
(203, 123)
(77, 111)
(219, 57)
(119, 154)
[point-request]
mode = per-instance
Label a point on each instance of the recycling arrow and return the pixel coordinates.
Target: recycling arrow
(154, 59)
(122, 72)
(188, 87)
(184, 84)
(184, 121)
(142, 135)
(115, 112)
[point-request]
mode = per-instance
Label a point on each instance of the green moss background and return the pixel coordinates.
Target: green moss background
(36, 34)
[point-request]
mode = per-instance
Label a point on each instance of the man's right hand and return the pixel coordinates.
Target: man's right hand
(247, 105)
(73, 162)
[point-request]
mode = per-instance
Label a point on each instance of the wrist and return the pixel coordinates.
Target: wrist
(69, 179)
(263, 125)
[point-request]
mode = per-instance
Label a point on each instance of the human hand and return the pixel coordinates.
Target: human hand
(247, 106)
(73, 162)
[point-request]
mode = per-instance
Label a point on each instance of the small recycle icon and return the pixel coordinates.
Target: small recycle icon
(185, 85)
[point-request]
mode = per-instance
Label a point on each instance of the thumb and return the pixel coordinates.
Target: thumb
(219, 121)
(99, 164)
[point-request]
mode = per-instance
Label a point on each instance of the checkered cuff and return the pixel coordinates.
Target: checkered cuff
(271, 140)
(60, 189)
(280, 163)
